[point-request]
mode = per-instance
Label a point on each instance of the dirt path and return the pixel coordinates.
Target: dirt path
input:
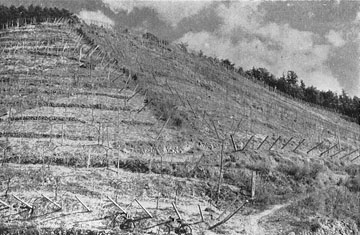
(252, 222)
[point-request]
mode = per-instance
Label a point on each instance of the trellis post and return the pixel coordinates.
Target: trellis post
(316, 146)
(233, 143)
(348, 154)
(275, 142)
(328, 150)
(83, 204)
(287, 142)
(298, 146)
(247, 143)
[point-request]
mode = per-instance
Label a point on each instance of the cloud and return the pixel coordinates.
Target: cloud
(335, 38)
(171, 11)
(344, 62)
(357, 18)
(96, 17)
(240, 14)
(247, 40)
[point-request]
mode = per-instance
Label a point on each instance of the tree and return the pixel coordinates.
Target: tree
(356, 101)
(329, 99)
(292, 78)
(241, 71)
(14, 14)
(22, 15)
(31, 14)
(227, 63)
(38, 13)
(283, 85)
(201, 53)
(302, 85)
(312, 95)
(4, 15)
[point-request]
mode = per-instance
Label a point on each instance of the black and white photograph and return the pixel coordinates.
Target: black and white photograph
(179, 117)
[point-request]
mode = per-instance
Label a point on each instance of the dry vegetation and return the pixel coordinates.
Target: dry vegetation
(91, 112)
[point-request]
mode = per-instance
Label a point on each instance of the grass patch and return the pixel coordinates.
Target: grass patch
(165, 109)
(276, 184)
(305, 172)
(337, 202)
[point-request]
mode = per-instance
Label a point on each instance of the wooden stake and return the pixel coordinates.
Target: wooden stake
(247, 143)
(52, 201)
(176, 210)
(117, 205)
(348, 154)
(216, 132)
(23, 202)
(261, 144)
(355, 158)
(336, 153)
(201, 214)
(287, 142)
(253, 184)
(275, 142)
(147, 212)
(233, 143)
(88, 160)
(328, 150)
(99, 131)
(338, 136)
(162, 128)
(220, 172)
(62, 134)
(135, 93)
(316, 146)
(298, 146)
(87, 208)
(5, 204)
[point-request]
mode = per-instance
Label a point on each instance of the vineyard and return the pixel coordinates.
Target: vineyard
(97, 124)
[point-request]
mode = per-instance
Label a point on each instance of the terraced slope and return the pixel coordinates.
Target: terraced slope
(91, 89)
(63, 104)
(84, 103)
(59, 103)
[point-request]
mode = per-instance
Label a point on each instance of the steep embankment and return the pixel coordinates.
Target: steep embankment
(84, 103)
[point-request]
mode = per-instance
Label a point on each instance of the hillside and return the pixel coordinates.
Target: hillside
(93, 113)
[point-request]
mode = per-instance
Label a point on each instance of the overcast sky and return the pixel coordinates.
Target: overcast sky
(318, 40)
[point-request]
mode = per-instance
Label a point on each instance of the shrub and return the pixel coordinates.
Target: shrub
(335, 202)
(262, 168)
(353, 170)
(300, 172)
(315, 226)
(353, 184)
(265, 194)
(305, 207)
(165, 108)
